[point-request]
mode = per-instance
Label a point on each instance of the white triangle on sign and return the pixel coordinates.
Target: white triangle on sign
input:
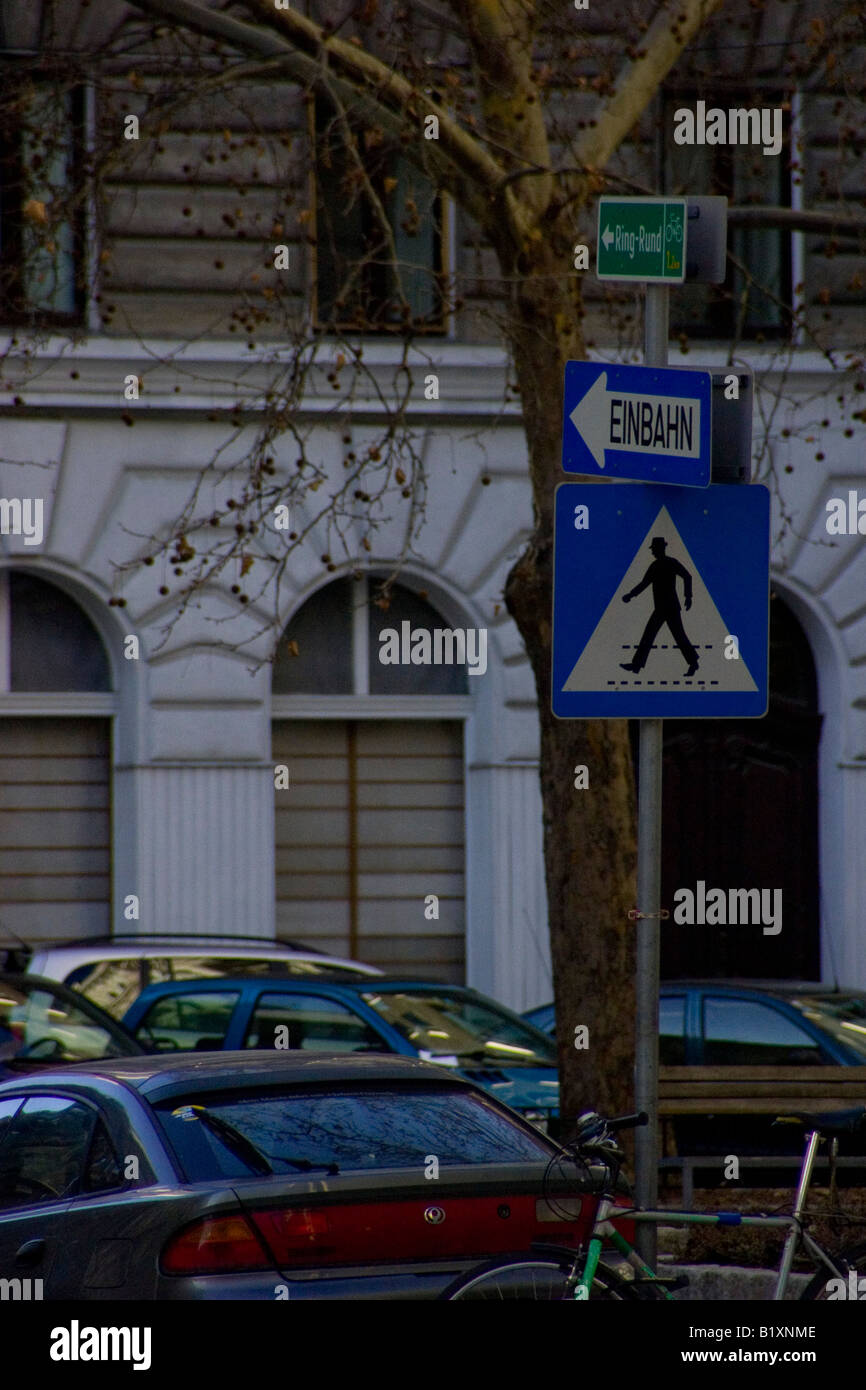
(618, 633)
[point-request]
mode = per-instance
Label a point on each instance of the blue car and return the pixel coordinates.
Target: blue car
(448, 1024)
(733, 1023)
(715, 1023)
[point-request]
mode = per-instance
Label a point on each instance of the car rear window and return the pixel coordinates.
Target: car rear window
(354, 1128)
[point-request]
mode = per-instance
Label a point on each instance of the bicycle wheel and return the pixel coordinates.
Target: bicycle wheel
(539, 1280)
(823, 1288)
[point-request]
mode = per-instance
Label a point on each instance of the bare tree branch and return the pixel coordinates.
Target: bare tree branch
(501, 34)
(456, 160)
(674, 26)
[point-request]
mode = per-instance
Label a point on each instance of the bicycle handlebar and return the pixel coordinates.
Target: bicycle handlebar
(628, 1121)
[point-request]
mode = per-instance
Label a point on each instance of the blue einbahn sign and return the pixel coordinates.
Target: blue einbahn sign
(652, 424)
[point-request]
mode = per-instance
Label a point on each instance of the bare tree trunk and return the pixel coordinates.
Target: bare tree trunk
(589, 835)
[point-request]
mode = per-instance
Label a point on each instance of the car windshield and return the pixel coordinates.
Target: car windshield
(843, 1016)
(444, 1023)
(37, 1025)
(355, 1128)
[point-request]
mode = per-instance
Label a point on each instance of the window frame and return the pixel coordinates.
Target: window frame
(254, 1001)
(359, 703)
(442, 272)
(722, 299)
(99, 1118)
(178, 998)
(682, 998)
(15, 312)
(73, 703)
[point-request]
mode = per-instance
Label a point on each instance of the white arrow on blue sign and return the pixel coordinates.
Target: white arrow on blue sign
(651, 424)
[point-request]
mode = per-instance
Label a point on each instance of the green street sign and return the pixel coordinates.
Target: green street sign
(642, 239)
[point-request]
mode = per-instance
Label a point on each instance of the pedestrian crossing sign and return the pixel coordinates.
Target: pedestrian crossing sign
(660, 601)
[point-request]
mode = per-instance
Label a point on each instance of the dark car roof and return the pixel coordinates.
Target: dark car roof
(783, 988)
(167, 1072)
(359, 984)
(779, 989)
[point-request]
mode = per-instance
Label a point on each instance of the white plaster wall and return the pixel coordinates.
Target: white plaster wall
(193, 788)
(193, 785)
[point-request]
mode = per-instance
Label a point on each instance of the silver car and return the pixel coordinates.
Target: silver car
(112, 971)
(273, 1176)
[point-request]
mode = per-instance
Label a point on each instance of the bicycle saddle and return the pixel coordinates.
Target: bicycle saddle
(831, 1123)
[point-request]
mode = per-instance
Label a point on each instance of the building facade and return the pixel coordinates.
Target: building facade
(159, 773)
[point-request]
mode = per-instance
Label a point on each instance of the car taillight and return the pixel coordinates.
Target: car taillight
(216, 1245)
(363, 1233)
(295, 1231)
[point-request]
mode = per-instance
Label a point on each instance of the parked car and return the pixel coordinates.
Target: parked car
(295, 1175)
(112, 971)
(738, 1023)
(44, 1023)
(717, 1023)
(449, 1024)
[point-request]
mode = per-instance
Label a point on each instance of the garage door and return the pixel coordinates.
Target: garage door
(369, 828)
(54, 827)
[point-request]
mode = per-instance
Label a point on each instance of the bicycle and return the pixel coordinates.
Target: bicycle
(562, 1272)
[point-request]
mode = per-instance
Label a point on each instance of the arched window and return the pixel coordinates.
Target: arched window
(370, 851)
(341, 639)
(46, 641)
(55, 764)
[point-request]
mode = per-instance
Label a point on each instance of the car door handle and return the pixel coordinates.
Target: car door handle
(30, 1253)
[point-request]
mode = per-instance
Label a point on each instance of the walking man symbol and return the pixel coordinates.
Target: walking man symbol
(662, 575)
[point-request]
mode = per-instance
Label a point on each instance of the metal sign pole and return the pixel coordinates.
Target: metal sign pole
(649, 841)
